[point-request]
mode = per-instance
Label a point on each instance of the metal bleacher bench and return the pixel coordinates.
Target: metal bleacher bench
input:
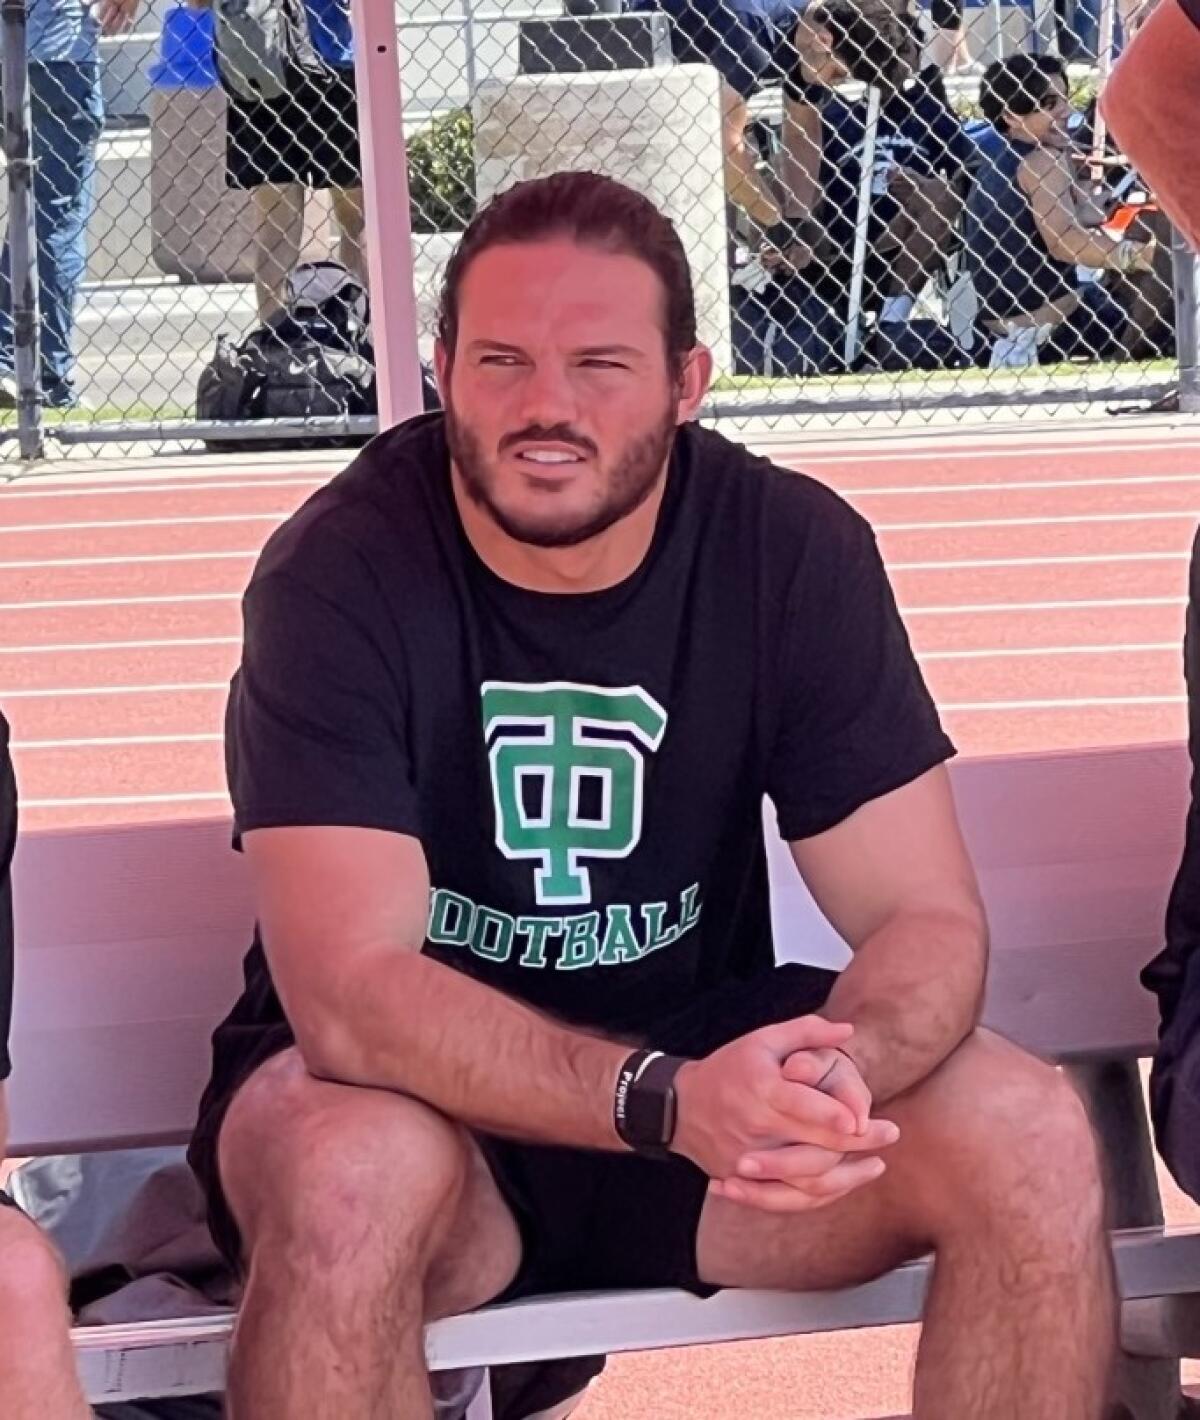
(130, 942)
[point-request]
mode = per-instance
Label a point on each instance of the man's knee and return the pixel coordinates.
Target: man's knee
(1005, 1135)
(32, 1276)
(327, 1171)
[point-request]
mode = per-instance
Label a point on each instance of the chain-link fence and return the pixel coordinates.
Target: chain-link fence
(885, 209)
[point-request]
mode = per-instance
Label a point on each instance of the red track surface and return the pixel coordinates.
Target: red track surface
(1042, 583)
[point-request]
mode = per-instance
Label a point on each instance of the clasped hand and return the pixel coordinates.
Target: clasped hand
(780, 1119)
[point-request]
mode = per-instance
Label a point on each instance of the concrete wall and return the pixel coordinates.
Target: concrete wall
(658, 130)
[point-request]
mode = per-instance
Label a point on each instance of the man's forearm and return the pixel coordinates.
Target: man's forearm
(799, 160)
(407, 1023)
(912, 992)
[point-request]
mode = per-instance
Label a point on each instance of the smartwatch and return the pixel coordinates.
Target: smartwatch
(644, 1102)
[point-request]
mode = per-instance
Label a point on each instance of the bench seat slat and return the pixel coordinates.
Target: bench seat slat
(187, 1357)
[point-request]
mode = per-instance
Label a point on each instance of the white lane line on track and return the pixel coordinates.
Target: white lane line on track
(19, 565)
(1089, 604)
(141, 558)
(68, 647)
(1058, 520)
(62, 603)
(123, 800)
(1083, 703)
(1006, 652)
(158, 689)
(1069, 559)
(982, 654)
(1037, 485)
(983, 452)
(113, 741)
(119, 490)
(96, 524)
(948, 609)
(169, 689)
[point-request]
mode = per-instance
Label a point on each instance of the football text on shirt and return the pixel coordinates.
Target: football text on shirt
(618, 934)
(567, 764)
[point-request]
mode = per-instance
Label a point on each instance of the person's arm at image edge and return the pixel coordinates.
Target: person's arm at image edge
(895, 880)
(1047, 182)
(1152, 105)
(343, 914)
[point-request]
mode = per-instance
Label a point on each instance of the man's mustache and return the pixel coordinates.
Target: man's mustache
(549, 434)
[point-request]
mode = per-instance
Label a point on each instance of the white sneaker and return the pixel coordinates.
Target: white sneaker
(1017, 348)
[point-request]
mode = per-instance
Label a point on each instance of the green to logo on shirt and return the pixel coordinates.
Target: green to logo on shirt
(567, 766)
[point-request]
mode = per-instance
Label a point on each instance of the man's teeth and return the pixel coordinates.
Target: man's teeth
(549, 456)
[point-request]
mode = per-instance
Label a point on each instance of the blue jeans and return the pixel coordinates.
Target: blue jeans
(785, 330)
(68, 114)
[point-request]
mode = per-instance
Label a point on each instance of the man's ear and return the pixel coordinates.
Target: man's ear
(441, 369)
(694, 383)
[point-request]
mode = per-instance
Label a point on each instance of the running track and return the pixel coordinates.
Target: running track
(1042, 578)
(1042, 581)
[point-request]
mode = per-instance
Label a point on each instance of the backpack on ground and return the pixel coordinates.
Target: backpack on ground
(313, 360)
(260, 44)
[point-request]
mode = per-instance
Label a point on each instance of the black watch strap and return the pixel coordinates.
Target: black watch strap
(644, 1102)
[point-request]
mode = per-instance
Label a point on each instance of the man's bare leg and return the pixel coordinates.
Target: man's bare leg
(37, 1364)
(347, 205)
(995, 1172)
(278, 237)
(363, 1215)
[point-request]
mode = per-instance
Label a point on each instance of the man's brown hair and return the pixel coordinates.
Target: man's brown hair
(594, 211)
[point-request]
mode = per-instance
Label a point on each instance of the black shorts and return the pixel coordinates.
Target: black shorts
(309, 137)
(588, 1220)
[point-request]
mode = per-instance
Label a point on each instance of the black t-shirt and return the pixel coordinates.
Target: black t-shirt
(8, 842)
(585, 772)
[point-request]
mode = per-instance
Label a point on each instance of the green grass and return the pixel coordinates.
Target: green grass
(880, 381)
(105, 414)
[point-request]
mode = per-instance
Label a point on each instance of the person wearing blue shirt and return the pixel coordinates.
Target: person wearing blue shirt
(805, 46)
(920, 174)
(67, 110)
(280, 149)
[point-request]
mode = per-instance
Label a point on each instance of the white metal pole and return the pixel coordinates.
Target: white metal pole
(385, 197)
(862, 222)
(1107, 44)
(998, 17)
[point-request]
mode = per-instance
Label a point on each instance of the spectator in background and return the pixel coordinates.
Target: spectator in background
(921, 158)
(67, 113)
(280, 149)
(37, 1366)
(756, 43)
(1029, 225)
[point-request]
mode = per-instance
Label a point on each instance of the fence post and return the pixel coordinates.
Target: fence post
(22, 232)
(1183, 267)
(862, 223)
(394, 323)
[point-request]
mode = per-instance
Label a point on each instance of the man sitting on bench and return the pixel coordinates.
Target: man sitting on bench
(37, 1365)
(513, 688)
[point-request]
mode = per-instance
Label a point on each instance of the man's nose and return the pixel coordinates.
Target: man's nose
(548, 395)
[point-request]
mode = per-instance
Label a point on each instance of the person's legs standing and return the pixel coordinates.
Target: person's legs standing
(67, 115)
(351, 224)
(278, 236)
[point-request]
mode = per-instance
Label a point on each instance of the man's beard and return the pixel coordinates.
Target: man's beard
(631, 479)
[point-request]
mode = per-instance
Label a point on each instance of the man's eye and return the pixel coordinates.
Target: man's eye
(506, 361)
(595, 363)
